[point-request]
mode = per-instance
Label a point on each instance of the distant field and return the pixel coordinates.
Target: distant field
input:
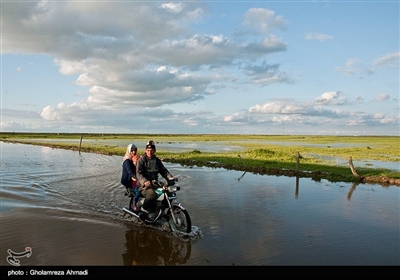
(321, 157)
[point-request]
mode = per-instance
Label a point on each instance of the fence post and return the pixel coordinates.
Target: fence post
(352, 167)
(80, 144)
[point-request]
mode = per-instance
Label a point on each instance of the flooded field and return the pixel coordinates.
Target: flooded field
(224, 146)
(67, 208)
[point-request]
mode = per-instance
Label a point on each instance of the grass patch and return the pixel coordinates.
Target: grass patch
(263, 154)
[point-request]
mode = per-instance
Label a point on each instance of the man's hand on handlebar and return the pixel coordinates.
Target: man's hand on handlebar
(147, 184)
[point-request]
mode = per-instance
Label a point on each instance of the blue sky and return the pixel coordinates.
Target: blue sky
(247, 67)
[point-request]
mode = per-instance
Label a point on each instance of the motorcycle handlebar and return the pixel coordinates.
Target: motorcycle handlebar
(159, 184)
(156, 183)
(168, 185)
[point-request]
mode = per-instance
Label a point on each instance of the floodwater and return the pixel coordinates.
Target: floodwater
(66, 209)
(223, 146)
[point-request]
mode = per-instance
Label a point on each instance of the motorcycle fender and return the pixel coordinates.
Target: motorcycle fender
(168, 210)
(180, 205)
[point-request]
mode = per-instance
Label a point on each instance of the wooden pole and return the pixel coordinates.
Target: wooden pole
(297, 162)
(242, 160)
(353, 170)
(80, 144)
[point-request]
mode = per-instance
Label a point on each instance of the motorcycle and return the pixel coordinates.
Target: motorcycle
(165, 207)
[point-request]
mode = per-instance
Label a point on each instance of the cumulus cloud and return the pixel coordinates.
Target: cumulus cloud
(52, 112)
(322, 110)
(290, 107)
(264, 74)
(18, 120)
(270, 44)
(330, 108)
(278, 107)
(330, 98)
(138, 54)
(135, 60)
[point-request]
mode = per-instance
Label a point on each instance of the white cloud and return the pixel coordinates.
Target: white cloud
(330, 98)
(358, 99)
(318, 37)
(133, 60)
(263, 20)
(302, 114)
(119, 57)
(388, 60)
(350, 67)
(173, 7)
(382, 97)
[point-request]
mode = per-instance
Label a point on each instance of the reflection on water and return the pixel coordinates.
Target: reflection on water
(148, 247)
(59, 201)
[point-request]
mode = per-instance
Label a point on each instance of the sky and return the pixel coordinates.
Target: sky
(200, 67)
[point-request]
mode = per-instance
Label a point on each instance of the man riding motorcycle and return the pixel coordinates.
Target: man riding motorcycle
(148, 168)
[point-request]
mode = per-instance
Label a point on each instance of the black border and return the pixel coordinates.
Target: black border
(206, 272)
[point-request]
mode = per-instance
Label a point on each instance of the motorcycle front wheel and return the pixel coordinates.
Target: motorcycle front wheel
(182, 221)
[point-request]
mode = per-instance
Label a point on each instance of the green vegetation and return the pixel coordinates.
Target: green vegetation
(320, 157)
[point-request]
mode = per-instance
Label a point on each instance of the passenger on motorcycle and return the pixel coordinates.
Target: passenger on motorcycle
(128, 177)
(148, 168)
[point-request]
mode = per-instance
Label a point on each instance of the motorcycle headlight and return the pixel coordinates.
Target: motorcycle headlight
(172, 188)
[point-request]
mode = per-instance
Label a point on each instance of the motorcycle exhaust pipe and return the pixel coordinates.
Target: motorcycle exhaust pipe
(126, 210)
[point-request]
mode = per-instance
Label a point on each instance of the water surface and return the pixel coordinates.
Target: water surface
(67, 208)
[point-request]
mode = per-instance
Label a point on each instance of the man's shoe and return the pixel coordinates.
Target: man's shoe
(134, 208)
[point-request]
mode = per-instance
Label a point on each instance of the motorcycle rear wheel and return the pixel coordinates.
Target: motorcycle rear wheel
(183, 221)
